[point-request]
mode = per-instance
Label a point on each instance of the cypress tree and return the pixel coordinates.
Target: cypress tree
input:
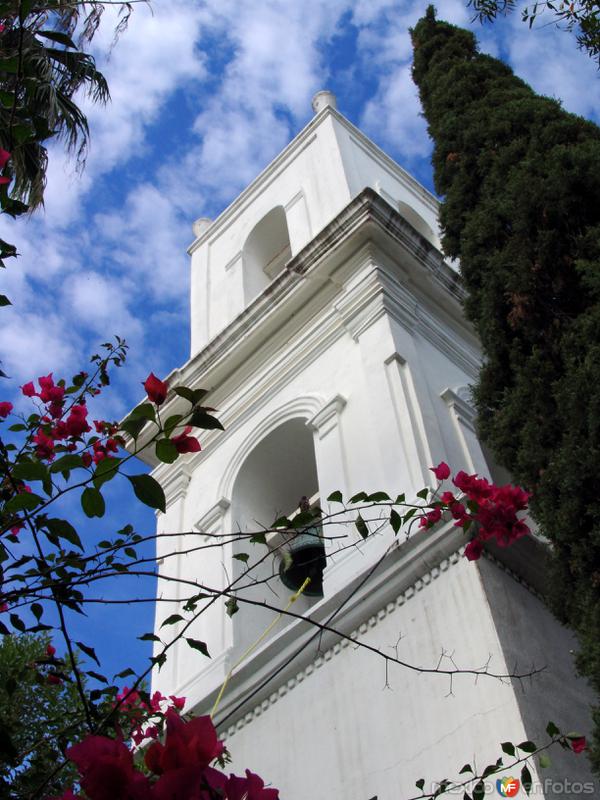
(520, 178)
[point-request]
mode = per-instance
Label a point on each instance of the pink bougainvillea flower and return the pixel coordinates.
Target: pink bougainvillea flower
(442, 471)
(189, 783)
(5, 408)
(579, 744)
(4, 154)
(249, 788)
(474, 549)
(50, 651)
(156, 389)
(184, 443)
(76, 423)
(28, 389)
(44, 446)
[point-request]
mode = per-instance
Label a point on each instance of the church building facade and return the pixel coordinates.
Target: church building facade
(327, 328)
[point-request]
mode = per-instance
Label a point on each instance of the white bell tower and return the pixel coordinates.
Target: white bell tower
(327, 328)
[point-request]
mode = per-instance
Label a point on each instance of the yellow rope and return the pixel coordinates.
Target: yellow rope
(253, 646)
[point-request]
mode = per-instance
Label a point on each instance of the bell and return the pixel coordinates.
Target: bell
(307, 553)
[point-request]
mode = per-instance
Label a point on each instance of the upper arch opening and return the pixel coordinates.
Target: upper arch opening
(265, 252)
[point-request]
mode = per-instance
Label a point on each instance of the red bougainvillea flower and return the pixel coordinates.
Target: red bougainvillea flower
(474, 549)
(156, 389)
(579, 744)
(5, 408)
(192, 743)
(442, 471)
(178, 702)
(107, 771)
(4, 154)
(184, 443)
(50, 651)
(28, 389)
(54, 680)
(190, 783)
(249, 788)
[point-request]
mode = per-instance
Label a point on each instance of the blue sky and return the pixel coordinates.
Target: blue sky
(204, 95)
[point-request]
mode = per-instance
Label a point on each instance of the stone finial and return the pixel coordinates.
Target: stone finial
(201, 225)
(323, 99)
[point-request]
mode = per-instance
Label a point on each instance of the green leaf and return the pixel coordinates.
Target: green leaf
(282, 522)
(335, 497)
(508, 748)
(526, 779)
(30, 471)
(106, 471)
(395, 520)
(143, 411)
(92, 502)
(26, 501)
(420, 784)
(361, 526)
(17, 622)
(552, 729)
(166, 451)
(466, 768)
(149, 637)
(193, 395)
(231, 606)
(133, 427)
(171, 423)
(172, 620)
(148, 491)
(527, 747)
(57, 36)
(89, 651)
(196, 644)
(378, 497)
(258, 538)
(37, 610)
(201, 419)
(64, 530)
(125, 673)
(358, 498)
(479, 790)
(409, 514)
(400, 499)
(423, 494)
(66, 463)
(96, 675)
(242, 557)
(4, 301)
(544, 760)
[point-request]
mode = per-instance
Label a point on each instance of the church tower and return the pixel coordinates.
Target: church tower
(326, 327)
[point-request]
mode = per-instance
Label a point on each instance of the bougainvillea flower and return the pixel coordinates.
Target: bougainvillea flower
(107, 771)
(156, 389)
(177, 702)
(189, 783)
(249, 788)
(50, 651)
(579, 744)
(76, 422)
(191, 743)
(5, 408)
(44, 446)
(28, 389)
(474, 549)
(442, 471)
(4, 154)
(184, 443)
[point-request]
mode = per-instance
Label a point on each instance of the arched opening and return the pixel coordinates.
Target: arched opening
(418, 223)
(274, 477)
(265, 252)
